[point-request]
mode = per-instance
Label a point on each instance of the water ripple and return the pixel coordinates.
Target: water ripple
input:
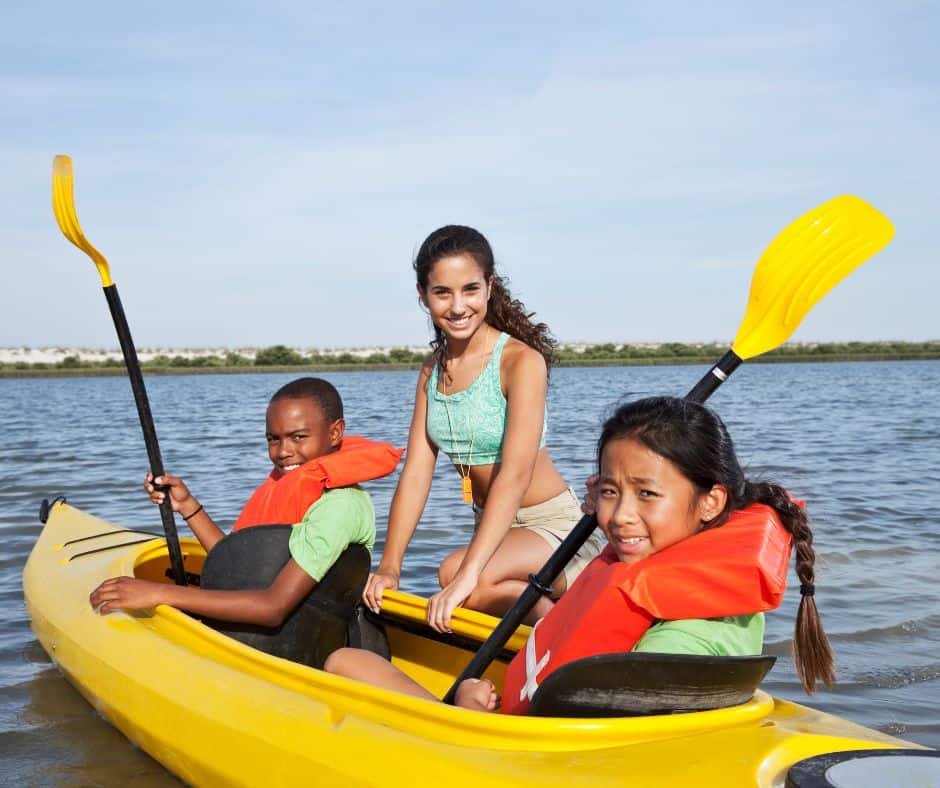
(860, 442)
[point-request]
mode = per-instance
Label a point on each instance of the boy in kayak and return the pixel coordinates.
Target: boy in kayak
(668, 472)
(312, 486)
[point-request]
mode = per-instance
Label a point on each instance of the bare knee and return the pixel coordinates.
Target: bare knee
(354, 663)
(448, 568)
(338, 661)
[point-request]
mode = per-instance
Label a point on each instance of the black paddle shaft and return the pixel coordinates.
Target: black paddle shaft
(717, 375)
(146, 424)
(543, 579)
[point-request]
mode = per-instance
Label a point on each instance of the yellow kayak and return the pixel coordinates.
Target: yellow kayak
(215, 712)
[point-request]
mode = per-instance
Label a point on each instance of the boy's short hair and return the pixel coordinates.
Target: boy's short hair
(319, 390)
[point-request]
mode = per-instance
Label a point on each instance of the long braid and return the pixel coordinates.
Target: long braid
(812, 653)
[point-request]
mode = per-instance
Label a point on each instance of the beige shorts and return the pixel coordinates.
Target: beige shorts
(553, 520)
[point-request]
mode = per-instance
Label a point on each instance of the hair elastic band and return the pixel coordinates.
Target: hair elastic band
(807, 589)
(190, 516)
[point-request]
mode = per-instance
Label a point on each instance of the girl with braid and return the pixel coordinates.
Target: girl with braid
(695, 553)
(690, 441)
(481, 398)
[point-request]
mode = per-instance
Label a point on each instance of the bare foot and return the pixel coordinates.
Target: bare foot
(478, 695)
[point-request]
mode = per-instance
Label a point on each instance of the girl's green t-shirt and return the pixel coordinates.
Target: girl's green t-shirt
(729, 636)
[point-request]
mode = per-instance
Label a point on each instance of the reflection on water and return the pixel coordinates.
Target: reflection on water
(859, 442)
(61, 740)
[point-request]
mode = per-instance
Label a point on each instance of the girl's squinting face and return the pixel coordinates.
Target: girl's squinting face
(644, 504)
(456, 296)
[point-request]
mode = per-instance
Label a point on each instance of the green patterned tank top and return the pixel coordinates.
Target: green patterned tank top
(477, 416)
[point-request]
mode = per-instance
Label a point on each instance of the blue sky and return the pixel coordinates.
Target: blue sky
(263, 173)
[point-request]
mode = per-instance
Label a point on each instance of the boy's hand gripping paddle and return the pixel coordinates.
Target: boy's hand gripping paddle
(63, 204)
(803, 263)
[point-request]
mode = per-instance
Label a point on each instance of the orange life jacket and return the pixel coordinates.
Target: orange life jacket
(285, 500)
(737, 569)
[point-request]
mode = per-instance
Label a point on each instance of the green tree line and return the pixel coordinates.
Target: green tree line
(275, 356)
(678, 350)
(606, 353)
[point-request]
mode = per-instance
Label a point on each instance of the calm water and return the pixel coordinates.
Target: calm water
(860, 442)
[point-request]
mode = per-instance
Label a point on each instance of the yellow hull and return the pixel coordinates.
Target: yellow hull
(216, 712)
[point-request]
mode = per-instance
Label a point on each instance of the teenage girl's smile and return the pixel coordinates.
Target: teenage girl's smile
(456, 296)
(458, 323)
(644, 504)
(297, 432)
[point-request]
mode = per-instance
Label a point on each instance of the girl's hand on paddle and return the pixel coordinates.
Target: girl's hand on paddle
(180, 497)
(442, 604)
(125, 593)
(376, 585)
(589, 504)
(477, 694)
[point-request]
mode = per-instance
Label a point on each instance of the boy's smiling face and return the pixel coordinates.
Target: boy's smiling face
(298, 432)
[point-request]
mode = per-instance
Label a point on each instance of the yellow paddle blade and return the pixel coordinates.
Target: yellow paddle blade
(63, 204)
(803, 263)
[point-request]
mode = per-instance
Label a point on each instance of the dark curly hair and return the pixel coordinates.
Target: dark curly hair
(503, 312)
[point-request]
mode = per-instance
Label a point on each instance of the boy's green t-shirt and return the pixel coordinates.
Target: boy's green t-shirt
(729, 636)
(339, 518)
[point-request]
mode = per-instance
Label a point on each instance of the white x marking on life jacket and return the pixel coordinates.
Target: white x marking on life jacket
(532, 666)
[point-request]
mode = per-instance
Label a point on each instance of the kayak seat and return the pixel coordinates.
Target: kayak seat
(637, 684)
(367, 631)
(251, 558)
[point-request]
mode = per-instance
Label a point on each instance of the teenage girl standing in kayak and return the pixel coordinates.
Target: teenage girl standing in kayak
(696, 551)
(481, 398)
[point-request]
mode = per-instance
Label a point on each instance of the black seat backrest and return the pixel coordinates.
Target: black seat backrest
(252, 558)
(628, 685)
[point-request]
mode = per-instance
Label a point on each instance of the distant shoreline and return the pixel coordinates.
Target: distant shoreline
(64, 362)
